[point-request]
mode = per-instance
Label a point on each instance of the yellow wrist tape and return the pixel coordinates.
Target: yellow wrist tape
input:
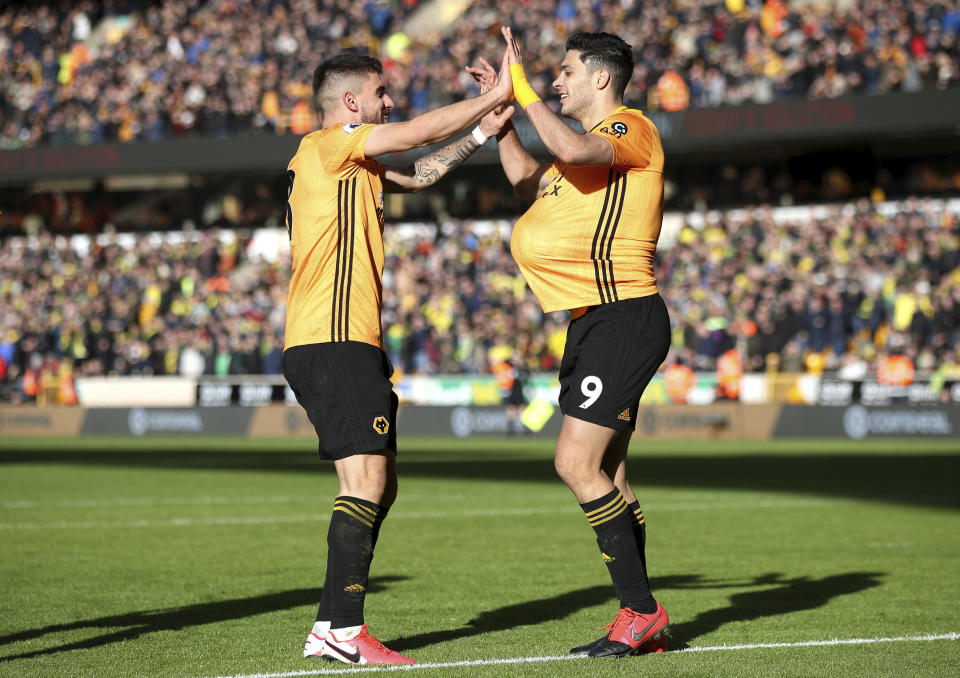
(522, 91)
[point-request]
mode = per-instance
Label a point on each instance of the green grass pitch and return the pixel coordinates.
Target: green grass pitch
(200, 558)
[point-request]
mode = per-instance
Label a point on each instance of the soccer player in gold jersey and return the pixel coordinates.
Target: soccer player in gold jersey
(333, 354)
(586, 245)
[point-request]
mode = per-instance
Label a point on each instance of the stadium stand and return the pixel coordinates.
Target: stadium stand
(113, 267)
(830, 288)
(89, 72)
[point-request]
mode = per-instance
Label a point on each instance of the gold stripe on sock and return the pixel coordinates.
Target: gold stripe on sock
(353, 514)
(359, 507)
(611, 513)
(606, 506)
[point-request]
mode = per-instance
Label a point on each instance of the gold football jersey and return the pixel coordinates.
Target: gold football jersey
(590, 236)
(335, 222)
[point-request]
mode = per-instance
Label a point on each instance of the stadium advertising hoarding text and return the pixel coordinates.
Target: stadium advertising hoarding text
(838, 392)
(859, 422)
(717, 421)
(40, 421)
(482, 390)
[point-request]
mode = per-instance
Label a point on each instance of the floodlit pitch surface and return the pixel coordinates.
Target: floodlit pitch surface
(205, 558)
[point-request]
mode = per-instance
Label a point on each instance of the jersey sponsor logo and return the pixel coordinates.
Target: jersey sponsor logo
(348, 129)
(617, 129)
(625, 415)
(553, 190)
(381, 425)
(553, 187)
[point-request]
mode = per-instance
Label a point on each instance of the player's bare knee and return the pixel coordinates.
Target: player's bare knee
(570, 470)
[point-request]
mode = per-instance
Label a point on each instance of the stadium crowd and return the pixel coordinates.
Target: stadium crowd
(835, 289)
(89, 72)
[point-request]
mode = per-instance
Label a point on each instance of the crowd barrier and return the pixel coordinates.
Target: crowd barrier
(717, 421)
(483, 390)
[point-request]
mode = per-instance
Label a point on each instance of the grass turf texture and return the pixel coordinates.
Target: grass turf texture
(199, 557)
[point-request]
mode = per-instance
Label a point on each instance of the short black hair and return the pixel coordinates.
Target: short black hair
(605, 50)
(343, 65)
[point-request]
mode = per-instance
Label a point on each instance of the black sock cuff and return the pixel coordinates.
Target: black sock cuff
(607, 507)
(365, 511)
(636, 512)
(382, 513)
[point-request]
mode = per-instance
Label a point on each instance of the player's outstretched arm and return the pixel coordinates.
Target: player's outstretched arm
(567, 145)
(429, 169)
(440, 123)
(522, 170)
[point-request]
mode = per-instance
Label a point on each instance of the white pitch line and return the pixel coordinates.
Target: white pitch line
(567, 657)
(321, 517)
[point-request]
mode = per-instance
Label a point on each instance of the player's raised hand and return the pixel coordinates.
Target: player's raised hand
(504, 83)
(493, 122)
(485, 75)
(513, 47)
(513, 61)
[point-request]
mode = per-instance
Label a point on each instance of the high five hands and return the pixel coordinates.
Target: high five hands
(489, 80)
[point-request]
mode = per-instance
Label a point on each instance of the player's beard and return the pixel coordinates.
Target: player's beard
(573, 105)
(379, 115)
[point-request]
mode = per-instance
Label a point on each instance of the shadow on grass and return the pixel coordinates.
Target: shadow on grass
(789, 595)
(916, 479)
(173, 619)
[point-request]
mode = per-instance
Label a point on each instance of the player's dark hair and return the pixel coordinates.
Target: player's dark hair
(343, 65)
(607, 51)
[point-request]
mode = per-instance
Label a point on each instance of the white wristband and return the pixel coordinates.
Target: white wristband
(479, 135)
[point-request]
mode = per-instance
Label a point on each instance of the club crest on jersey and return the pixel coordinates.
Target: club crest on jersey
(381, 425)
(348, 129)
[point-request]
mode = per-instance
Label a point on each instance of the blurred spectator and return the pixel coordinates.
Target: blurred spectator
(90, 72)
(825, 288)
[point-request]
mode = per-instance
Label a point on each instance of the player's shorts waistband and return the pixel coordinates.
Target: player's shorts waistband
(620, 303)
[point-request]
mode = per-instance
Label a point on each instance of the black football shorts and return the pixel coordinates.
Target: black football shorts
(612, 352)
(345, 389)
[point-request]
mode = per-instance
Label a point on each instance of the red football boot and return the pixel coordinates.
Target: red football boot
(634, 633)
(353, 646)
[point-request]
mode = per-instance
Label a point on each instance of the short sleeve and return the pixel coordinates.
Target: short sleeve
(345, 145)
(631, 137)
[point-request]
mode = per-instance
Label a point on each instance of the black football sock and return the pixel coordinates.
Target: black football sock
(377, 522)
(323, 612)
(349, 552)
(613, 523)
(639, 530)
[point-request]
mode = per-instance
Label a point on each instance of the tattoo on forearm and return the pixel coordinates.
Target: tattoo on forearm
(429, 168)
